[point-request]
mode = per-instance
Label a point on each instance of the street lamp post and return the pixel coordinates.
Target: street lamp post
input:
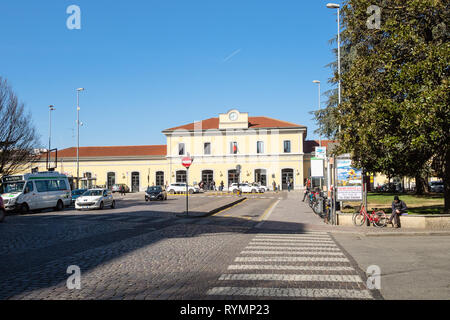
(50, 109)
(78, 135)
(338, 7)
(320, 134)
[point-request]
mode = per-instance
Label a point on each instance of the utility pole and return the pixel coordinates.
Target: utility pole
(78, 136)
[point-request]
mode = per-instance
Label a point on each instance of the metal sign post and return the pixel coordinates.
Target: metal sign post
(187, 162)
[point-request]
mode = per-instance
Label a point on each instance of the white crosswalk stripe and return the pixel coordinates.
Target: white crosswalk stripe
(292, 277)
(287, 267)
(292, 239)
(311, 258)
(303, 253)
(290, 292)
(308, 247)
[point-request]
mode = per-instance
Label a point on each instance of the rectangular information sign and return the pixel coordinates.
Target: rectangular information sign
(316, 167)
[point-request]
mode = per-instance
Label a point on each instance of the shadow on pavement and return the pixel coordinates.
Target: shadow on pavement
(45, 267)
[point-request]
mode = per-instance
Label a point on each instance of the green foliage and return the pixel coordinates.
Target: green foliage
(395, 112)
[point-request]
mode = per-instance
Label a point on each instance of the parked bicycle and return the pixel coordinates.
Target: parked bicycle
(378, 218)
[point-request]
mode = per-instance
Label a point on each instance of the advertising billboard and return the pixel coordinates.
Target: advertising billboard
(348, 181)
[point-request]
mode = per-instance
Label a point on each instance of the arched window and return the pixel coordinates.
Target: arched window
(160, 178)
(181, 176)
(111, 179)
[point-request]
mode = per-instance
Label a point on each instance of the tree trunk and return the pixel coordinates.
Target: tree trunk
(420, 184)
(447, 196)
(446, 180)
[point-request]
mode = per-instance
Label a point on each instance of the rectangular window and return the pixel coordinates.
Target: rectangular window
(62, 185)
(260, 147)
(181, 149)
(29, 186)
(41, 186)
(207, 148)
(52, 185)
(181, 176)
(287, 146)
(233, 147)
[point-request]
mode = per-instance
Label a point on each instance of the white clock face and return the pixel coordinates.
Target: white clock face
(233, 116)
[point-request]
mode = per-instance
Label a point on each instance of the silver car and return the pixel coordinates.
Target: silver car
(95, 199)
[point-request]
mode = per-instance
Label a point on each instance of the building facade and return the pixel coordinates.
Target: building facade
(267, 150)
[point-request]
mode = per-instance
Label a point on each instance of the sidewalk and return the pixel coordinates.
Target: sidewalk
(291, 214)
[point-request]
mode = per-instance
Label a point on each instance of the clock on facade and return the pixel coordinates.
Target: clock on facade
(233, 116)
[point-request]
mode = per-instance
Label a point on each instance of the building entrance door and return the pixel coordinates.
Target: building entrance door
(233, 177)
(261, 176)
(159, 178)
(286, 176)
(135, 182)
(207, 177)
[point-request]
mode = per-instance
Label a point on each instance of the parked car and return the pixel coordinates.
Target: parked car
(76, 194)
(181, 188)
(116, 187)
(95, 199)
(437, 186)
(244, 187)
(2, 211)
(155, 193)
(35, 191)
(261, 188)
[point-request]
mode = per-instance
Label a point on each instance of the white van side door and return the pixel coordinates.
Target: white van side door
(42, 194)
(29, 195)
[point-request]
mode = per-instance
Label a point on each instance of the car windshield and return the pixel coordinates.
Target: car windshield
(13, 187)
(94, 193)
(153, 189)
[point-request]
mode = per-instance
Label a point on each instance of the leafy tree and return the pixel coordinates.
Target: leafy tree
(18, 137)
(395, 113)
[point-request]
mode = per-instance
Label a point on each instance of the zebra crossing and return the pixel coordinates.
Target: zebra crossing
(309, 265)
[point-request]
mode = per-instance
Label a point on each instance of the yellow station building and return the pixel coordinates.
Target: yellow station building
(268, 150)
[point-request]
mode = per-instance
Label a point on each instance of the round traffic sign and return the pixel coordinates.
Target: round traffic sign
(187, 161)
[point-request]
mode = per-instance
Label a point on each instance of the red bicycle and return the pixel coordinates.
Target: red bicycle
(377, 218)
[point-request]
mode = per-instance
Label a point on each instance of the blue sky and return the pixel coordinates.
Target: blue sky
(152, 65)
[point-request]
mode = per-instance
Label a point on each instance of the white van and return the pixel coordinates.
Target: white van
(36, 191)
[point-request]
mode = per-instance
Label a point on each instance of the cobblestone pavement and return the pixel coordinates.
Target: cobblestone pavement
(146, 251)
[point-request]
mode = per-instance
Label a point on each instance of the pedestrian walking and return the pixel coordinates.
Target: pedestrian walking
(274, 185)
(308, 189)
(398, 208)
(221, 185)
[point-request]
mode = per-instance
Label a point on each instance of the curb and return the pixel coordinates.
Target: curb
(391, 234)
(224, 207)
(212, 211)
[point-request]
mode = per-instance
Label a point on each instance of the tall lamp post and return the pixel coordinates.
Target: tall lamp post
(50, 109)
(78, 135)
(338, 7)
(320, 134)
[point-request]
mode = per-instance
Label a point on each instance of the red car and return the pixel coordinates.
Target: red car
(2, 210)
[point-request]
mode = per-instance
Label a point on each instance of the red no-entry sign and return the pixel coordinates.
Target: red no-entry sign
(187, 161)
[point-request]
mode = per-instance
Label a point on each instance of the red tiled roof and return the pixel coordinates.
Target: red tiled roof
(254, 122)
(309, 145)
(114, 151)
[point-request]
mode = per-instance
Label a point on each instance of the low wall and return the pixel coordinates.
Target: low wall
(433, 222)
